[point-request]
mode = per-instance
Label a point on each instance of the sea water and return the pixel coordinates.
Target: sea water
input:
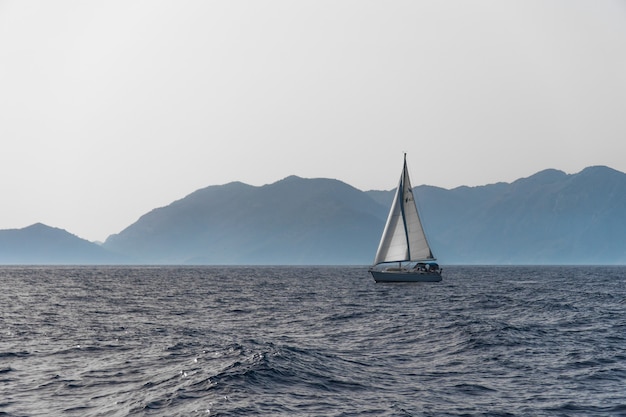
(311, 341)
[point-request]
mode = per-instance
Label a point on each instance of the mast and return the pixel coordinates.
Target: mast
(402, 210)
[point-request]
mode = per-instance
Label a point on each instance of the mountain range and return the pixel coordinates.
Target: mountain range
(548, 218)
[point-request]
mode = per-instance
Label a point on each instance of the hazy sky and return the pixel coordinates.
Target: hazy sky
(109, 109)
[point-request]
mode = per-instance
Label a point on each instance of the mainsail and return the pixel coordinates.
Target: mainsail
(403, 238)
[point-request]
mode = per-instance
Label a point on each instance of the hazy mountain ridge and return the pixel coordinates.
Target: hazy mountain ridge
(292, 221)
(40, 244)
(548, 218)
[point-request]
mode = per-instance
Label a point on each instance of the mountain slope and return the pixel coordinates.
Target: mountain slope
(41, 244)
(550, 217)
(293, 221)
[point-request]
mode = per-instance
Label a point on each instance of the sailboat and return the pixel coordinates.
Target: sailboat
(404, 254)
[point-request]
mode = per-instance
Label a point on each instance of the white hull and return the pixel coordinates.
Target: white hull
(405, 276)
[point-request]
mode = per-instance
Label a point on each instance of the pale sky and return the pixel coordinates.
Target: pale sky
(109, 109)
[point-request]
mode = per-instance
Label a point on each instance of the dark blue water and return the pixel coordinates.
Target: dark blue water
(285, 341)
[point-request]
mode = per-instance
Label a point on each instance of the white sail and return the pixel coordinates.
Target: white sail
(403, 238)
